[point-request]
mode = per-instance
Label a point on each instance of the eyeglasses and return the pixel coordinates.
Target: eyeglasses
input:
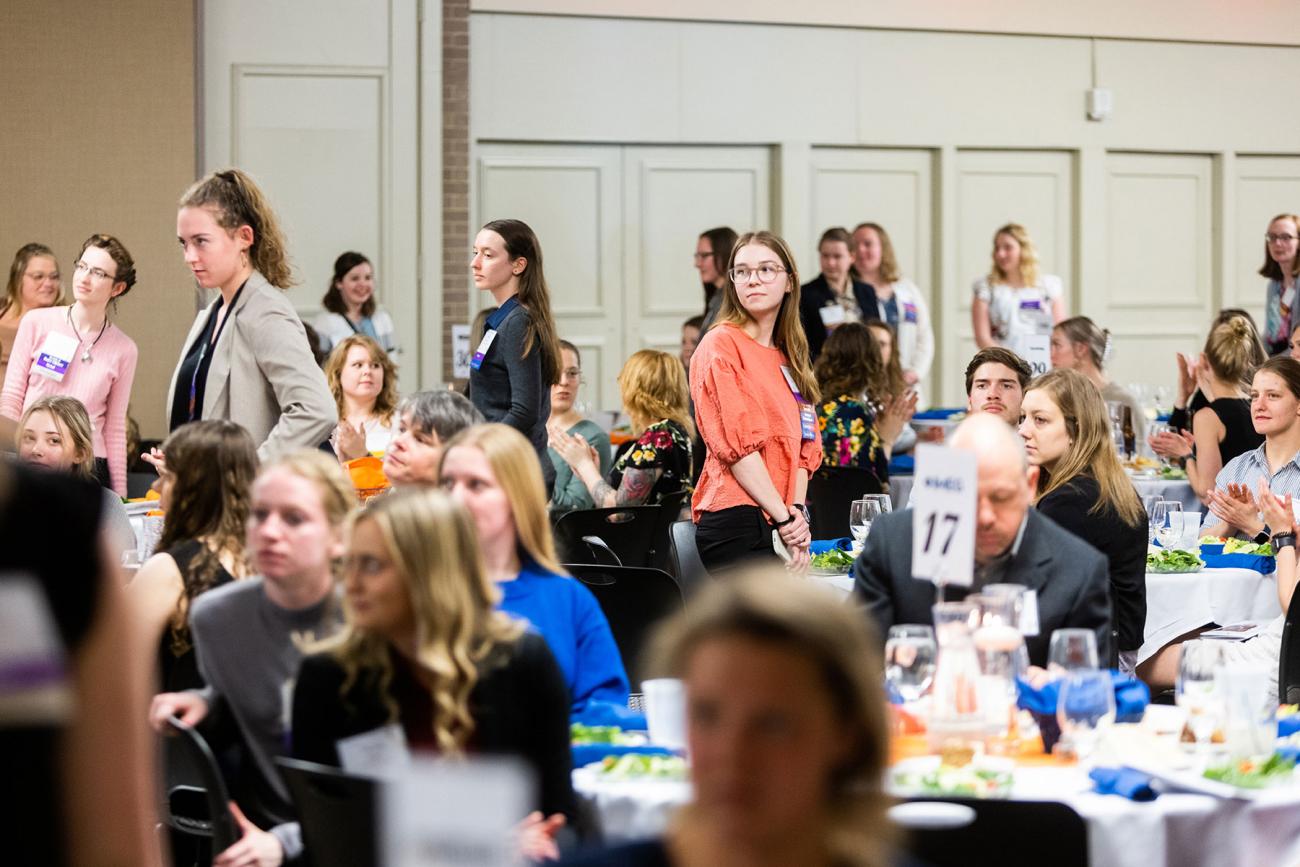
(98, 273)
(765, 273)
(1279, 239)
(571, 373)
(700, 257)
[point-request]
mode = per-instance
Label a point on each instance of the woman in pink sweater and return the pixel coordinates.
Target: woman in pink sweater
(76, 351)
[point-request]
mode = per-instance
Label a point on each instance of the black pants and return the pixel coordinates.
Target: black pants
(730, 538)
(102, 474)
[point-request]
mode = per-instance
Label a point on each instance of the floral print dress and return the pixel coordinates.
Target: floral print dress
(849, 437)
(664, 445)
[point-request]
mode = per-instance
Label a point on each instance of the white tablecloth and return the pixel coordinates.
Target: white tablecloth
(1177, 604)
(1174, 830)
(900, 490)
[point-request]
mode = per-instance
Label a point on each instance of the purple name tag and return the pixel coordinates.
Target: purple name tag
(52, 364)
(1031, 304)
(909, 312)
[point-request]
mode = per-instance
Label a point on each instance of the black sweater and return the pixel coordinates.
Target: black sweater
(1125, 548)
(520, 708)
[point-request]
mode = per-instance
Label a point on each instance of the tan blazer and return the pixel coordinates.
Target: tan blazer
(263, 375)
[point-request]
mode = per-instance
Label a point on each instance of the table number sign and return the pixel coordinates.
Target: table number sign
(460, 351)
(1036, 350)
(943, 515)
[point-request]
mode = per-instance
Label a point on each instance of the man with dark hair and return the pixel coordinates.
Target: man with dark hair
(996, 379)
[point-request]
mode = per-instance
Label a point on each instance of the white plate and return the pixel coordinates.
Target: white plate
(927, 764)
(931, 815)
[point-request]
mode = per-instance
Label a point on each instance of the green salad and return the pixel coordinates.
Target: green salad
(1173, 560)
(1239, 546)
(834, 560)
(1173, 474)
(642, 767)
(1253, 773)
(582, 736)
(968, 782)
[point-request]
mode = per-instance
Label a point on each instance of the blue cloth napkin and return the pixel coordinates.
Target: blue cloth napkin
(1131, 697)
(585, 754)
(1288, 725)
(607, 713)
(902, 465)
(1125, 782)
(937, 414)
(1163, 417)
(821, 546)
(1262, 565)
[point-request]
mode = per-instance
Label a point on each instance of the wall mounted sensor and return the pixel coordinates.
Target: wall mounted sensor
(1101, 102)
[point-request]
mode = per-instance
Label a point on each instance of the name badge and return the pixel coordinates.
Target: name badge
(909, 312)
(1030, 304)
(55, 355)
(789, 380)
(477, 361)
(807, 422)
(832, 315)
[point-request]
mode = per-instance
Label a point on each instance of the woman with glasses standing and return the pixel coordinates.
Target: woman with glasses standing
(33, 284)
(518, 355)
(76, 351)
(570, 491)
(1282, 268)
(755, 395)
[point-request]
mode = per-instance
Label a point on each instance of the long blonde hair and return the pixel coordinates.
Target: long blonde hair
(386, 400)
(889, 271)
(653, 385)
(1028, 255)
(433, 545)
(1091, 451)
(514, 462)
(235, 200)
(72, 419)
(787, 333)
(767, 606)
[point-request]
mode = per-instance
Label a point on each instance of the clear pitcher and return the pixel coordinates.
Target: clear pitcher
(957, 724)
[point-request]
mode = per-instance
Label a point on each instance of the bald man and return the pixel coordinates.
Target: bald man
(1014, 544)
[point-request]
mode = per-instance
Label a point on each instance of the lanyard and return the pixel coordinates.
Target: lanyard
(203, 352)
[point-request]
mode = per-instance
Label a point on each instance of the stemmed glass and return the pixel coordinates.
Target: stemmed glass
(1170, 532)
(1156, 429)
(861, 514)
(910, 653)
(1156, 514)
(1196, 690)
(1085, 710)
(1072, 650)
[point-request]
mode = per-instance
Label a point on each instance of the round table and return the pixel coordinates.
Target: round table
(1178, 604)
(900, 491)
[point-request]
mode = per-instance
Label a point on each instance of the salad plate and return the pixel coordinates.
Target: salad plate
(983, 777)
(1172, 561)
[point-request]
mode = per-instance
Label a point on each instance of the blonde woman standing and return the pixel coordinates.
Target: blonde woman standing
(1014, 300)
(899, 301)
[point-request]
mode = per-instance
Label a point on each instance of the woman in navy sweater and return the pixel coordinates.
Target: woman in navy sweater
(495, 473)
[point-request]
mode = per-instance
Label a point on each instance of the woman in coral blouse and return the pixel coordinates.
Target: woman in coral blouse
(754, 394)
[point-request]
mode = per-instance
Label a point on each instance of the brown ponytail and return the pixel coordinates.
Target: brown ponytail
(237, 201)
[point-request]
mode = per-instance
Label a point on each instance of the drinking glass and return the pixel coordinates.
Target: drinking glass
(886, 504)
(1156, 514)
(909, 660)
(1155, 429)
(1085, 710)
(1072, 650)
(1196, 689)
(1170, 532)
(861, 514)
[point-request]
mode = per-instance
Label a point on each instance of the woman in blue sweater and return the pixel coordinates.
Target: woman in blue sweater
(495, 473)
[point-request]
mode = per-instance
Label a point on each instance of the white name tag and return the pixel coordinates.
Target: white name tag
(35, 688)
(832, 315)
(380, 752)
(477, 361)
(55, 355)
(943, 515)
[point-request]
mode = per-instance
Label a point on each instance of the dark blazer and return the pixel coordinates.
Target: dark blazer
(1069, 575)
(1125, 548)
(818, 294)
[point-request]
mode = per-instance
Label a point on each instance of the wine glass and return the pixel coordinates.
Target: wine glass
(1196, 690)
(886, 504)
(1155, 429)
(1156, 513)
(910, 653)
(1171, 531)
(861, 514)
(1085, 710)
(1072, 650)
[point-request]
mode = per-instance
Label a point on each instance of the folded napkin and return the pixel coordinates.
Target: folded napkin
(1262, 565)
(1288, 725)
(937, 414)
(1125, 782)
(585, 754)
(902, 465)
(607, 713)
(821, 546)
(1131, 697)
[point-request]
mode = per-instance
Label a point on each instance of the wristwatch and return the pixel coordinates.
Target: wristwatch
(788, 520)
(1283, 540)
(1263, 536)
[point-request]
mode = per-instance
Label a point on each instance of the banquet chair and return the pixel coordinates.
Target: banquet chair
(1288, 672)
(1003, 834)
(831, 491)
(628, 531)
(633, 600)
(685, 564)
(670, 509)
(337, 812)
(195, 802)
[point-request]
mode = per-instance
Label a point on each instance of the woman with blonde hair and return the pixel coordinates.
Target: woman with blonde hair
(33, 284)
(1083, 487)
(494, 473)
(1282, 268)
(424, 648)
(1014, 300)
(518, 355)
(784, 705)
(754, 394)
(1222, 429)
(246, 357)
(363, 380)
(899, 301)
(1079, 344)
(653, 386)
(203, 492)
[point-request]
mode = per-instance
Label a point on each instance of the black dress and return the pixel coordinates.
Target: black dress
(1125, 548)
(520, 708)
(49, 534)
(1239, 431)
(180, 671)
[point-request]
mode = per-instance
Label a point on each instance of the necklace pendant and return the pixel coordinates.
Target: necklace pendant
(85, 356)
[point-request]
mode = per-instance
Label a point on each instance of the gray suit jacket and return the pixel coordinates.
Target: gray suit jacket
(263, 375)
(1070, 576)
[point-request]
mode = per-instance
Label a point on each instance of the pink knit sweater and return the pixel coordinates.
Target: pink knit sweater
(103, 385)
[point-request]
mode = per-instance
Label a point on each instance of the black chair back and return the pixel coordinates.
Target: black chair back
(628, 531)
(831, 491)
(196, 802)
(670, 508)
(634, 600)
(337, 812)
(685, 564)
(1004, 834)
(1288, 672)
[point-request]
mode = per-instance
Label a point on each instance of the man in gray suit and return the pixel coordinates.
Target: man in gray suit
(1013, 544)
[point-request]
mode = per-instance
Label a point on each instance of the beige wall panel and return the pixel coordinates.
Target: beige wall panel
(303, 133)
(569, 195)
(1265, 187)
(99, 140)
